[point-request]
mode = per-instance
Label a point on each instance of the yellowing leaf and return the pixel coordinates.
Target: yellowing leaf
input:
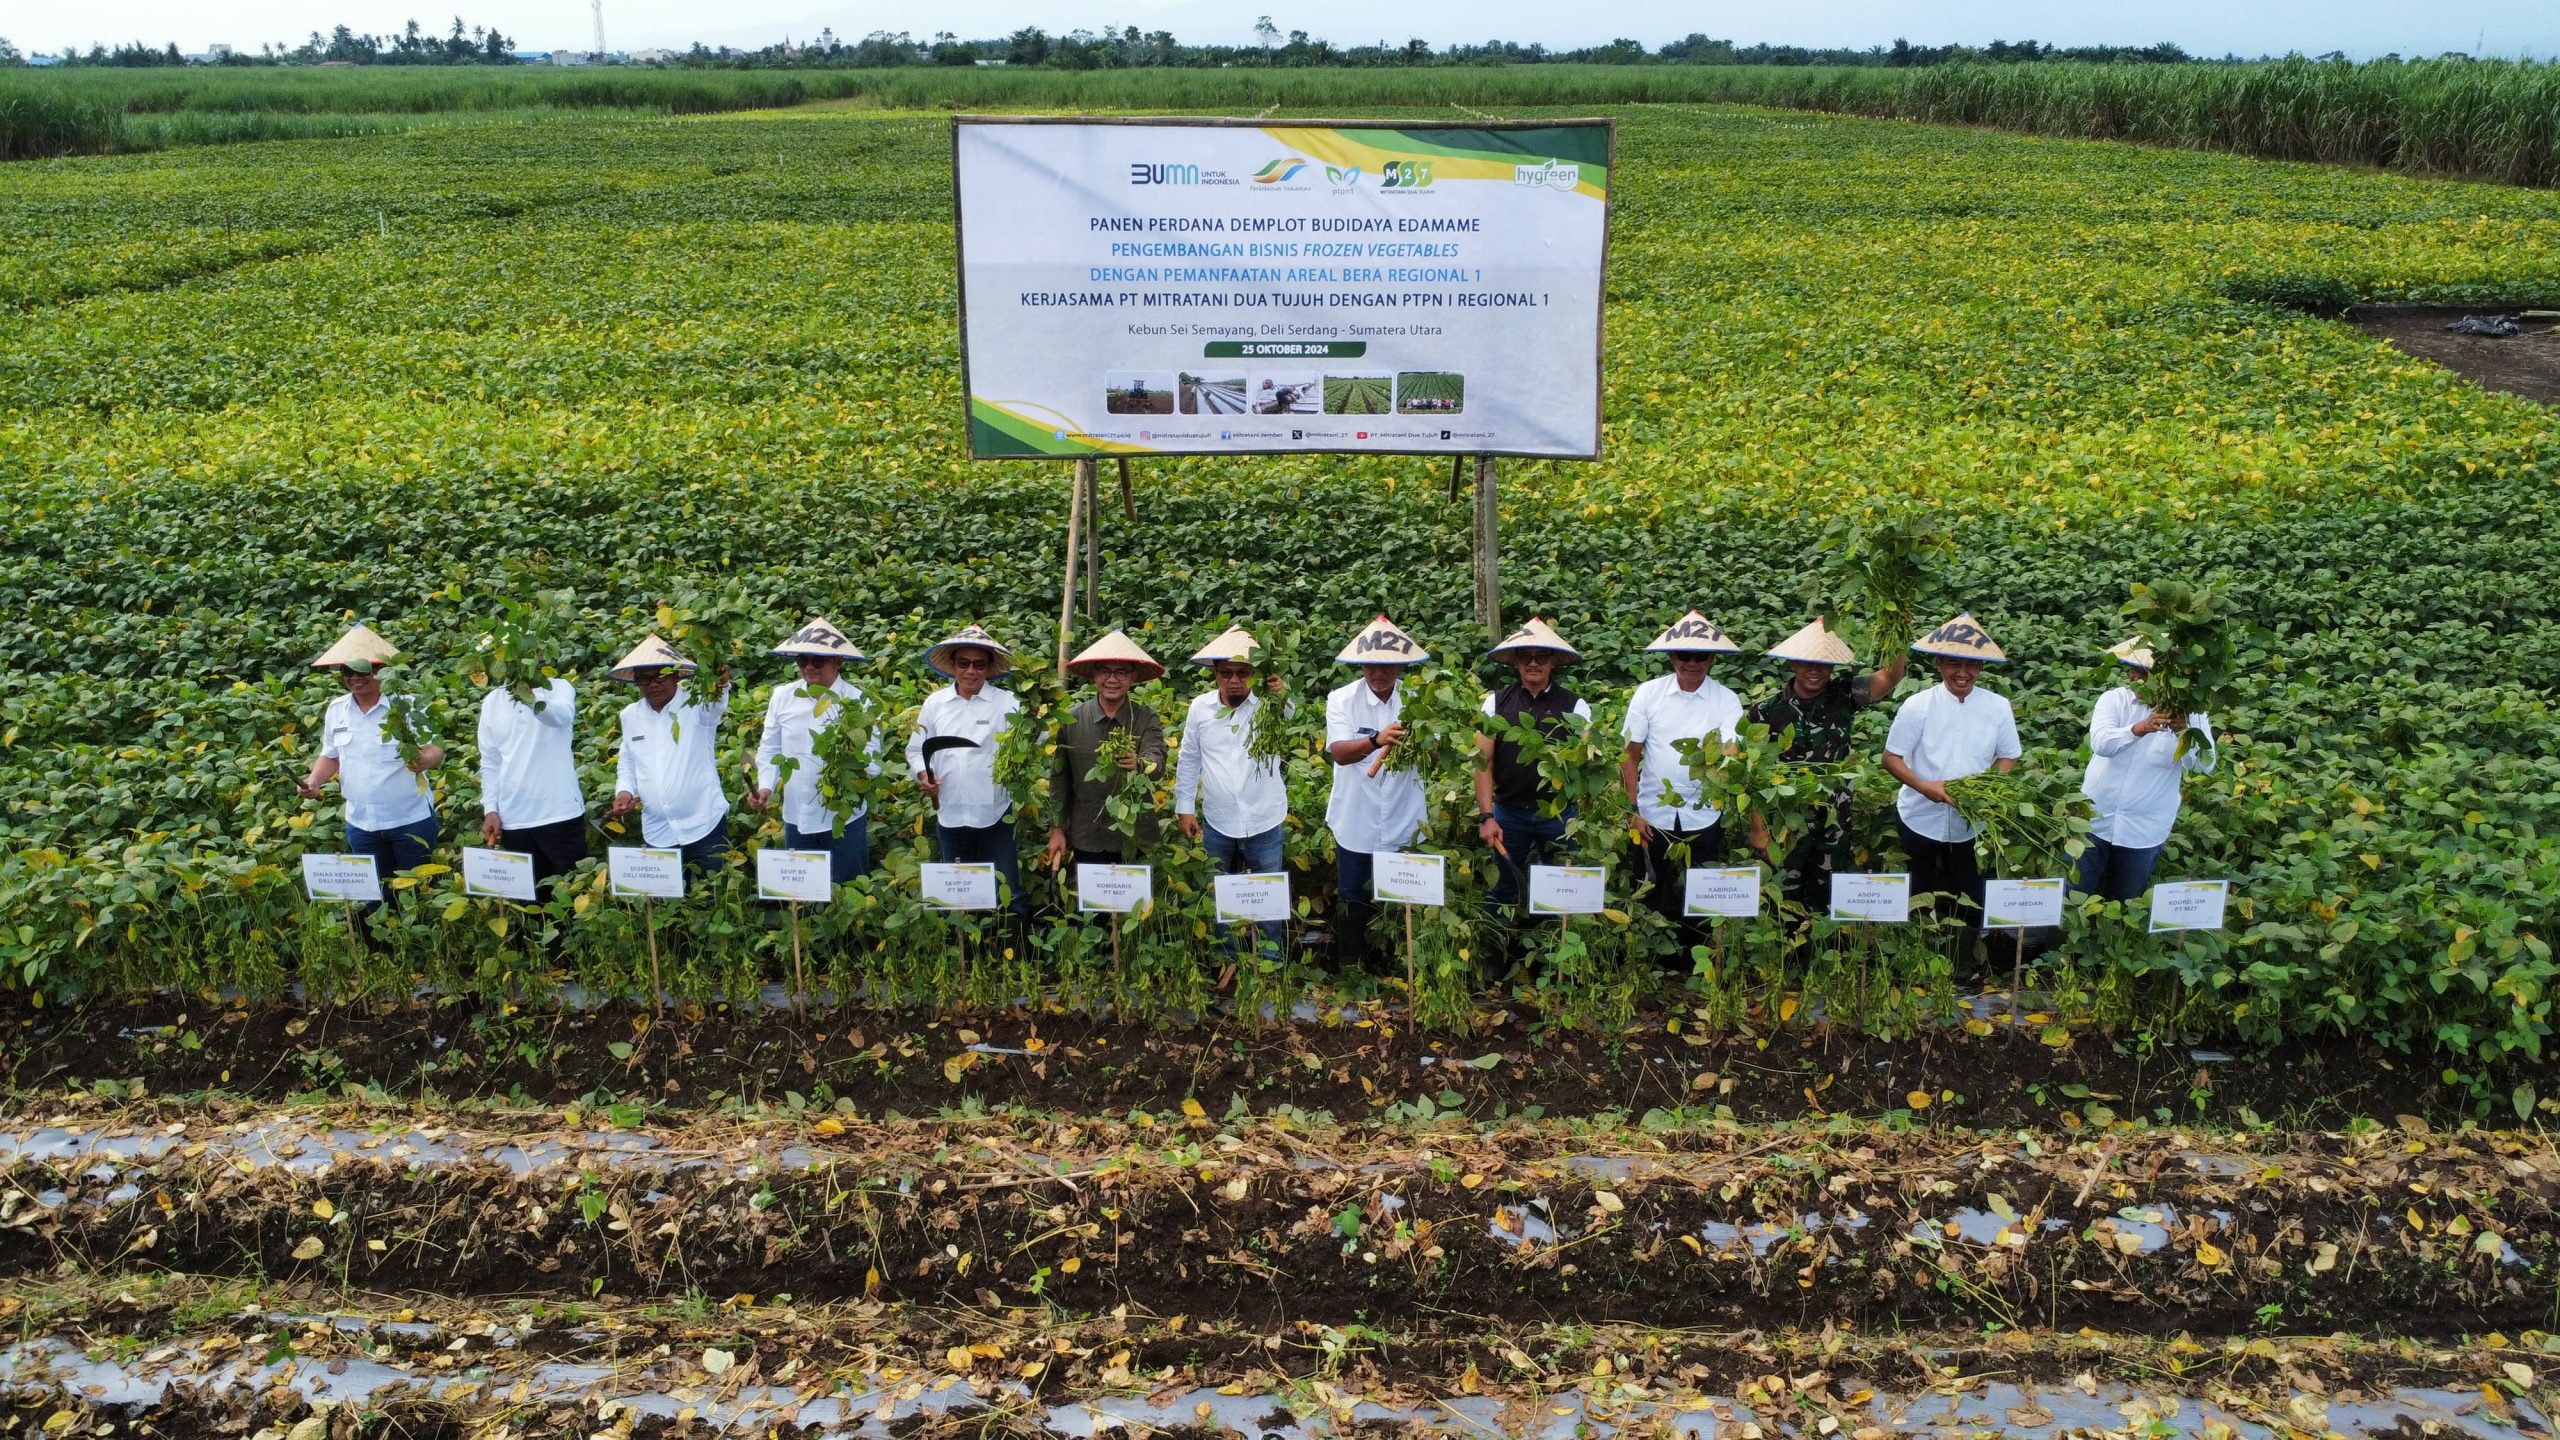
(717, 1362)
(2210, 1256)
(958, 1065)
(1195, 1109)
(830, 1126)
(1918, 1099)
(322, 1208)
(310, 1247)
(1071, 1265)
(1608, 1200)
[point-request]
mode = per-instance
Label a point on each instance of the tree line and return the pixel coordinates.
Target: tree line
(1127, 47)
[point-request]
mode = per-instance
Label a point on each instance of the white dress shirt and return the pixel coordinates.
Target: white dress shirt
(1239, 797)
(1943, 738)
(2133, 779)
(1659, 713)
(670, 759)
(1366, 812)
(791, 725)
(381, 792)
(970, 799)
(528, 775)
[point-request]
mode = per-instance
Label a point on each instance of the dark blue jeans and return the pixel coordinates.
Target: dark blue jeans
(707, 854)
(848, 854)
(395, 850)
(985, 845)
(1247, 855)
(2118, 872)
(1353, 873)
(1531, 838)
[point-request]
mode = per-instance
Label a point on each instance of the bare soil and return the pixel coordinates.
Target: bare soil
(2527, 364)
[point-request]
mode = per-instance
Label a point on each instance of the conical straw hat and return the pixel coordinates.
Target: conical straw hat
(1814, 644)
(1962, 638)
(1536, 635)
(1116, 647)
(2132, 652)
(1381, 642)
(1237, 644)
(359, 650)
(939, 657)
(650, 654)
(821, 638)
(1694, 633)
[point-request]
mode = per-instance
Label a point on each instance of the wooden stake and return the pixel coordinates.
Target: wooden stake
(1128, 500)
(1457, 474)
(657, 987)
(1488, 562)
(799, 976)
(1412, 969)
(355, 937)
(1067, 596)
(2018, 980)
(1115, 940)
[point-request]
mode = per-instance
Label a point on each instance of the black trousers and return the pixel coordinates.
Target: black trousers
(1667, 857)
(556, 848)
(1941, 867)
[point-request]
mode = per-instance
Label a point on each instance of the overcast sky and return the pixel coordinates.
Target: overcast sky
(2207, 27)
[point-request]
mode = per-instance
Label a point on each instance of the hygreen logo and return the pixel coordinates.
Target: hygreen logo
(1405, 175)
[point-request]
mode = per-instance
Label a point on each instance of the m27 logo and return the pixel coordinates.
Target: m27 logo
(1279, 170)
(1142, 173)
(1957, 632)
(1696, 630)
(1405, 175)
(1547, 174)
(1342, 177)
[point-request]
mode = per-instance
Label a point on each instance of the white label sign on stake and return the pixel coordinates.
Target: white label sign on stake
(1879, 899)
(498, 874)
(2018, 904)
(958, 887)
(341, 877)
(1252, 899)
(2189, 904)
(1568, 889)
(1731, 893)
(639, 873)
(1404, 878)
(803, 875)
(1115, 889)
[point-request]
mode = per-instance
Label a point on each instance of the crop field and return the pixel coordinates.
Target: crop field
(463, 1169)
(1430, 391)
(1357, 394)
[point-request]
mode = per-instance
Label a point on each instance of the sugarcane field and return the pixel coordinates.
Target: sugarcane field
(1528, 750)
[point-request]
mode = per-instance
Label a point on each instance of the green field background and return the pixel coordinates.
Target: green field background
(247, 395)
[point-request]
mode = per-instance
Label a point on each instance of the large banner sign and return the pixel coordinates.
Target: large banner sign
(1188, 287)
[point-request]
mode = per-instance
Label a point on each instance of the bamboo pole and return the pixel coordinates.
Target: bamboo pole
(1128, 499)
(1067, 596)
(1488, 560)
(1092, 473)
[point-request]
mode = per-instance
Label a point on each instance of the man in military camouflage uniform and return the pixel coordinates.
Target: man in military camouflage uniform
(1820, 703)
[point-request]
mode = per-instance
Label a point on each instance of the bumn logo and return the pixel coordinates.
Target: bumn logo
(1405, 175)
(1141, 173)
(1279, 170)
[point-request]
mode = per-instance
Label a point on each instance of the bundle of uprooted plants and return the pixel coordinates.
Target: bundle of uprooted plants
(2199, 649)
(2033, 822)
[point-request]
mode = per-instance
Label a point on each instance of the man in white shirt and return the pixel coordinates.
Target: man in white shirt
(1676, 829)
(798, 712)
(391, 813)
(669, 769)
(529, 798)
(2133, 779)
(1243, 801)
(1372, 808)
(973, 819)
(1949, 731)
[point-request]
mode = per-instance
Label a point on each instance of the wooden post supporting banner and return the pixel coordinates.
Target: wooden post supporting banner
(1487, 552)
(1128, 500)
(1457, 474)
(1092, 472)
(1075, 524)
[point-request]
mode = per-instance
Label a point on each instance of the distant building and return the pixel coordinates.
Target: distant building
(651, 57)
(530, 57)
(41, 61)
(217, 53)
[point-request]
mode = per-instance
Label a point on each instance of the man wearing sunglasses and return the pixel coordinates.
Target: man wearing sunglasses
(1677, 829)
(1085, 828)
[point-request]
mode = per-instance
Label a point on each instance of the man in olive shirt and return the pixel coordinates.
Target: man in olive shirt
(1820, 703)
(1115, 664)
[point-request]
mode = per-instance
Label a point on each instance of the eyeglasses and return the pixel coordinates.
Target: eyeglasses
(1238, 672)
(958, 663)
(1124, 671)
(1690, 657)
